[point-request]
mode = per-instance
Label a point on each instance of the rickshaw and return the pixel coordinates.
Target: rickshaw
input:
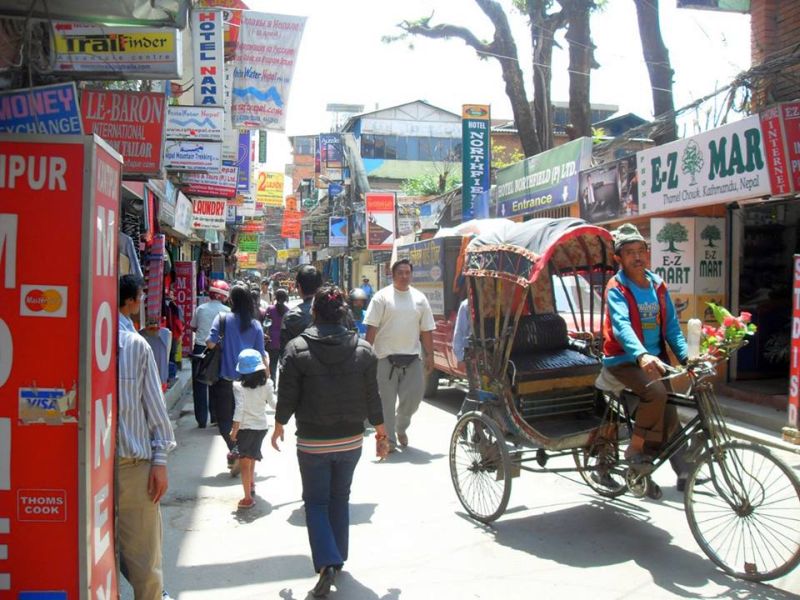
(537, 391)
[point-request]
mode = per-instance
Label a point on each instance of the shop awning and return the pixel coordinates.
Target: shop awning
(143, 13)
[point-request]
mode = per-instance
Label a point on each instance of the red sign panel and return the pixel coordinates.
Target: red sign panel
(132, 122)
(185, 290)
(65, 504)
(774, 143)
(380, 221)
(292, 223)
(790, 111)
(794, 362)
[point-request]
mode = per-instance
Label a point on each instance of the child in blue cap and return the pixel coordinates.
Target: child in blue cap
(252, 393)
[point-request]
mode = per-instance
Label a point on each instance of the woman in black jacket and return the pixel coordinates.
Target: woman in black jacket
(328, 382)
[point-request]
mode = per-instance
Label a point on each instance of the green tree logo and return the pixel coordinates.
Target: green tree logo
(692, 161)
(672, 233)
(711, 233)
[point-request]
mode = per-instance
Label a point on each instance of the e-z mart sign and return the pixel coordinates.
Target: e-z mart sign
(66, 504)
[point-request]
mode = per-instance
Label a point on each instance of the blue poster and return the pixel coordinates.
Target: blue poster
(337, 233)
(49, 109)
(243, 162)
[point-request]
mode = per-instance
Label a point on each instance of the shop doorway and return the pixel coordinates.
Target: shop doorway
(765, 237)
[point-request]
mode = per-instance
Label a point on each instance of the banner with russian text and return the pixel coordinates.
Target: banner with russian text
(266, 54)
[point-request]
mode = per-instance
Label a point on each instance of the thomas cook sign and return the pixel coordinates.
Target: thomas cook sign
(721, 165)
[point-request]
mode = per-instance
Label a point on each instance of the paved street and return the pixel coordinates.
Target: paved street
(410, 537)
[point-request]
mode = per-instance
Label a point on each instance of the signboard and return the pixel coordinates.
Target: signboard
(710, 257)
(476, 157)
(221, 184)
(66, 504)
(208, 55)
(793, 411)
(265, 58)
(112, 51)
(243, 161)
(192, 156)
(183, 215)
(248, 242)
(721, 165)
(331, 152)
(775, 152)
(185, 294)
(132, 122)
(269, 188)
(262, 146)
(292, 223)
(195, 123)
(321, 232)
(741, 6)
(790, 114)
(380, 221)
(547, 180)
(609, 192)
(49, 109)
(672, 258)
(338, 232)
(427, 257)
(208, 213)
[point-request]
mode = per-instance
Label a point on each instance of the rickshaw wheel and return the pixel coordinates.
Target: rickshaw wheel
(599, 461)
(480, 466)
(743, 507)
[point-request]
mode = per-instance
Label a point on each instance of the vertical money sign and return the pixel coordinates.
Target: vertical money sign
(209, 57)
(266, 54)
(475, 160)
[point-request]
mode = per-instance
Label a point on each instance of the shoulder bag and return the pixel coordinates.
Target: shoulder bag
(211, 359)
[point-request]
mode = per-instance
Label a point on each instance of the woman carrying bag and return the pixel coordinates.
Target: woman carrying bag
(240, 331)
(328, 382)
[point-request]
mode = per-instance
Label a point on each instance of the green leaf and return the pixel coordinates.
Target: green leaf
(720, 312)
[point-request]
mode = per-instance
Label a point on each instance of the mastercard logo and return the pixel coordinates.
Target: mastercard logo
(43, 301)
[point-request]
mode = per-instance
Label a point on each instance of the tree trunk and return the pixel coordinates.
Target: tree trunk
(543, 28)
(656, 57)
(581, 62)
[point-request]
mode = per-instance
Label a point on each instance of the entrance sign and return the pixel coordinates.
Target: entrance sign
(66, 505)
(721, 165)
(49, 109)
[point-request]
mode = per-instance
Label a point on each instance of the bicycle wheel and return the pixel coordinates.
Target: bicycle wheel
(480, 466)
(599, 462)
(743, 507)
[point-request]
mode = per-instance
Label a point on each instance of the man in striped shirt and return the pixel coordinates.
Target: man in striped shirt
(145, 437)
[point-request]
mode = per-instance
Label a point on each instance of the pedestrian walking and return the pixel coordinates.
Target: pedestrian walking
(201, 322)
(275, 314)
(308, 280)
(328, 382)
(400, 325)
(144, 438)
(241, 331)
(365, 285)
(251, 394)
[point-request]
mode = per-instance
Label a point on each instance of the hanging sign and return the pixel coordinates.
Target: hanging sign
(246, 206)
(791, 432)
(547, 180)
(265, 58)
(717, 166)
(132, 122)
(338, 232)
(49, 109)
(609, 192)
(221, 184)
(243, 162)
(183, 215)
(185, 290)
(380, 221)
(208, 213)
(292, 224)
(475, 161)
(195, 123)
(331, 153)
(192, 156)
(111, 51)
(269, 188)
(208, 53)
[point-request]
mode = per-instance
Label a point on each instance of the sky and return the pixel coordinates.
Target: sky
(343, 60)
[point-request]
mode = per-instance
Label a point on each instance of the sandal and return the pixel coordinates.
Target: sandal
(245, 504)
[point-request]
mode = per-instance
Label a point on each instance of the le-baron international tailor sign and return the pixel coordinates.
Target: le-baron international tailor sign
(547, 180)
(721, 165)
(136, 52)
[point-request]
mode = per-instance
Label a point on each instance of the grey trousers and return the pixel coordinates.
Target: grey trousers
(401, 395)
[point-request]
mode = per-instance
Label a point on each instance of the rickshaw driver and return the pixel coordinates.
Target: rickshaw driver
(640, 318)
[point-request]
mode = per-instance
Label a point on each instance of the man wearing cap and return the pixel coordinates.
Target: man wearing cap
(367, 288)
(640, 321)
(201, 325)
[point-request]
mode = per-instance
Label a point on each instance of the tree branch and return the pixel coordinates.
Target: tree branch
(446, 31)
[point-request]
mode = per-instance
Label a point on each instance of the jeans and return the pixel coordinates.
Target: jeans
(200, 390)
(326, 496)
(221, 396)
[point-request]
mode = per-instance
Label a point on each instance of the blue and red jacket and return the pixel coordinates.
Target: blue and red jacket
(623, 336)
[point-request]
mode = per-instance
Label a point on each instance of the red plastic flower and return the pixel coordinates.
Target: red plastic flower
(746, 317)
(730, 322)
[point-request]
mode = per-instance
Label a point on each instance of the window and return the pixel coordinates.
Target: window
(367, 146)
(304, 145)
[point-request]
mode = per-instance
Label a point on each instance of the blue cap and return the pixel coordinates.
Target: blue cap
(250, 361)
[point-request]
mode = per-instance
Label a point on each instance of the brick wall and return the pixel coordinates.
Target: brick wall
(775, 31)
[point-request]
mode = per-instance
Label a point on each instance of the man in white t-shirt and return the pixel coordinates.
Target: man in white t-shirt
(201, 322)
(400, 325)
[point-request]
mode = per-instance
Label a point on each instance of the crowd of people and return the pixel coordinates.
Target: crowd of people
(341, 363)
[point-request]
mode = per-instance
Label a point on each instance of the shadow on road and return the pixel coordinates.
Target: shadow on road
(233, 574)
(447, 399)
(600, 533)
(414, 456)
(346, 587)
(359, 515)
